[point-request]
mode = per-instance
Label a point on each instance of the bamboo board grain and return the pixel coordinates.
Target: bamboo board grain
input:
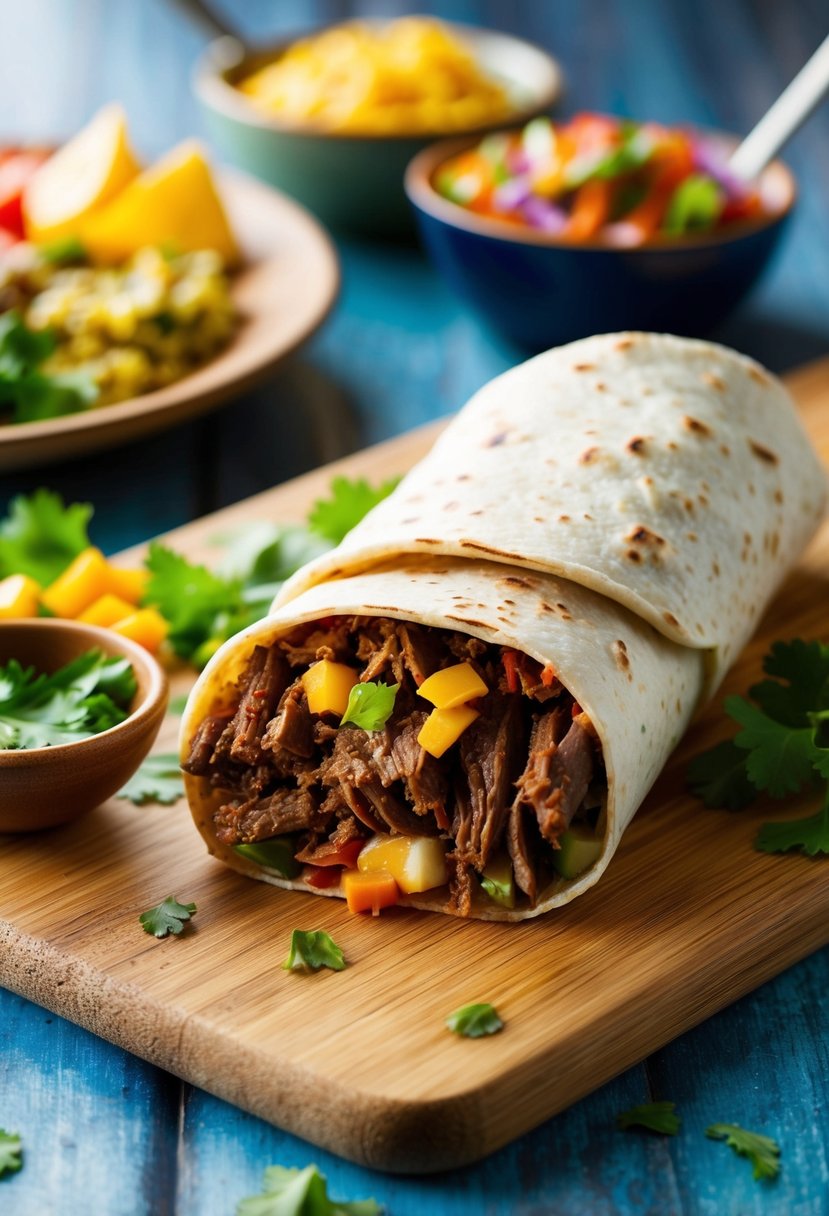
(688, 918)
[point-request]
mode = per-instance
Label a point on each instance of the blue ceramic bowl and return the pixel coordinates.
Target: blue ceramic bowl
(539, 291)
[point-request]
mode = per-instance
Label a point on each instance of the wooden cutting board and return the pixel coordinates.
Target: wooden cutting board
(688, 918)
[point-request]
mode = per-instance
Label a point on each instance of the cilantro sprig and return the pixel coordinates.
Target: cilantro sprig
(313, 949)
(762, 1151)
(40, 536)
(347, 503)
(11, 1153)
(157, 779)
(28, 392)
(475, 1021)
(167, 917)
(300, 1192)
(655, 1116)
(781, 749)
(370, 705)
(82, 698)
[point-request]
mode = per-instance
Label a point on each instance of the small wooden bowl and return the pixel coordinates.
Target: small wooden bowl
(46, 786)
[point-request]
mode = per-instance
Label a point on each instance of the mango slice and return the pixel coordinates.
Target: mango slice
(327, 686)
(173, 204)
(416, 863)
(107, 610)
(80, 178)
(453, 686)
(19, 596)
(444, 727)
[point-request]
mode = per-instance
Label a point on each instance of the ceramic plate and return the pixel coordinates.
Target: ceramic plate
(283, 292)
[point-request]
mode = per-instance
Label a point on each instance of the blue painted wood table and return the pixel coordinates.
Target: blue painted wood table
(106, 1134)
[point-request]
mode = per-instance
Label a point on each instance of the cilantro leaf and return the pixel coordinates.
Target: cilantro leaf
(31, 393)
(300, 1192)
(277, 854)
(198, 604)
(762, 1151)
(167, 917)
(780, 757)
(82, 698)
(11, 1152)
(474, 1021)
(809, 835)
(157, 779)
(370, 705)
(312, 950)
(348, 502)
(655, 1116)
(40, 536)
(805, 668)
(718, 776)
(264, 553)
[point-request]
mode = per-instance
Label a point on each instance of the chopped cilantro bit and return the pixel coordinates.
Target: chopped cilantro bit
(167, 917)
(348, 502)
(762, 1151)
(474, 1021)
(655, 1116)
(83, 698)
(40, 536)
(313, 949)
(370, 705)
(157, 779)
(11, 1152)
(300, 1192)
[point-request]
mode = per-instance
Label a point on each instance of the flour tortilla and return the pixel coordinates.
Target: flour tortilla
(639, 688)
(672, 476)
(623, 508)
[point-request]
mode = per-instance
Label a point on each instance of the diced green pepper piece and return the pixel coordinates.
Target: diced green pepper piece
(276, 854)
(499, 881)
(695, 205)
(579, 850)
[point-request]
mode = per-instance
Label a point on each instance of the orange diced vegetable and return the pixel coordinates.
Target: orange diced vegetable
(19, 596)
(591, 209)
(83, 581)
(444, 727)
(327, 686)
(453, 686)
(129, 583)
(106, 611)
(369, 892)
(146, 626)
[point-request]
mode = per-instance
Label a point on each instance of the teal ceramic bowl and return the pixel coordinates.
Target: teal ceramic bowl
(350, 182)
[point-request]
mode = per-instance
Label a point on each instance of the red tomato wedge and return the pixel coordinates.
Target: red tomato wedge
(16, 169)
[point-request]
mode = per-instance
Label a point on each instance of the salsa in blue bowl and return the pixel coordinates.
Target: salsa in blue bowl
(523, 265)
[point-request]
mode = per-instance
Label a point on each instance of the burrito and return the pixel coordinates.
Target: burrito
(463, 705)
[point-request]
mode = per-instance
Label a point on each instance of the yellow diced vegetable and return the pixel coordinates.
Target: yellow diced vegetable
(416, 863)
(327, 686)
(83, 581)
(107, 611)
(19, 596)
(129, 584)
(444, 727)
(146, 626)
(453, 686)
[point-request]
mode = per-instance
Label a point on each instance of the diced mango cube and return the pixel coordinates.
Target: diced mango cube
(84, 580)
(146, 626)
(453, 686)
(369, 892)
(416, 863)
(128, 582)
(19, 596)
(444, 727)
(327, 685)
(106, 611)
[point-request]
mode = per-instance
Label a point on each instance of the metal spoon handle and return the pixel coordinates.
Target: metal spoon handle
(793, 107)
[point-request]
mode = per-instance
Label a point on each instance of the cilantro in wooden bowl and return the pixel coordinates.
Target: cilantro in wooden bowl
(80, 708)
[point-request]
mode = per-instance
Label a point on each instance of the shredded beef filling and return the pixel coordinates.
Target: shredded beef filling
(512, 784)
